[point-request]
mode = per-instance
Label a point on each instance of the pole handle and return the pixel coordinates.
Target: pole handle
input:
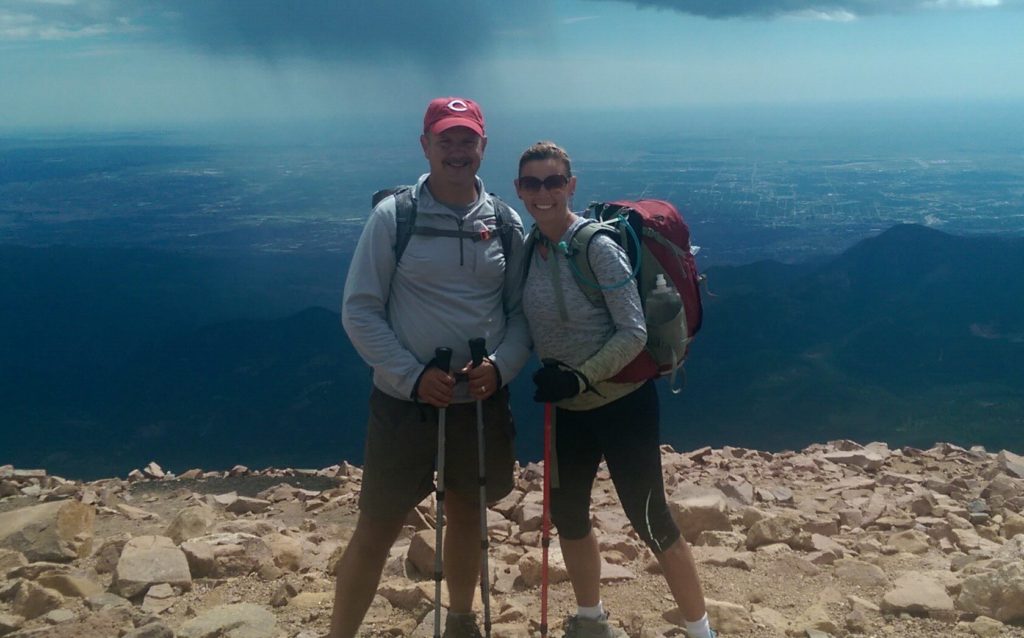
(477, 350)
(443, 359)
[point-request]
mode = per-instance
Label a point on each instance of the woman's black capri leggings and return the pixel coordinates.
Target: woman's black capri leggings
(625, 433)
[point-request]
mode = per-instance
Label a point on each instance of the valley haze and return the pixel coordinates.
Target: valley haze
(173, 294)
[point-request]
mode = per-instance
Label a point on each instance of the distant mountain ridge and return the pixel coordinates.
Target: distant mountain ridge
(904, 336)
(909, 337)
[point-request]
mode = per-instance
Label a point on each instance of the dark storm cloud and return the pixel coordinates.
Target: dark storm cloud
(439, 35)
(441, 32)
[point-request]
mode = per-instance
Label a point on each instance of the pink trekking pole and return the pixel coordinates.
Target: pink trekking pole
(545, 522)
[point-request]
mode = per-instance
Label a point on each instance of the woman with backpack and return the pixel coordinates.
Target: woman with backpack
(583, 345)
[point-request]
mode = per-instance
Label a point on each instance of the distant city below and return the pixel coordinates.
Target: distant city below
(789, 191)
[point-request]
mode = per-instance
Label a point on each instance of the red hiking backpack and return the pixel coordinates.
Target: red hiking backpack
(666, 275)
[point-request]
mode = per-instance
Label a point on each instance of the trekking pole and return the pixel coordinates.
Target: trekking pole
(478, 350)
(443, 360)
(545, 522)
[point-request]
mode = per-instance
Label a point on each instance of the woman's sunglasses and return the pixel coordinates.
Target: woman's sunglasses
(551, 182)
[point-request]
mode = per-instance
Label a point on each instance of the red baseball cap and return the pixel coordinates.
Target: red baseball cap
(444, 113)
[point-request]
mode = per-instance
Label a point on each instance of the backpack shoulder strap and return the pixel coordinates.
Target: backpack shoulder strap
(529, 245)
(405, 219)
(504, 223)
(578, 252)
(405, 215)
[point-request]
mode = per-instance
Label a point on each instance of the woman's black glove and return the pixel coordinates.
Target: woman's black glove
(554, 384)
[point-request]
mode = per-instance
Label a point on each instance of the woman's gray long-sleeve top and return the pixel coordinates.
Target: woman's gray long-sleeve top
(596, 340)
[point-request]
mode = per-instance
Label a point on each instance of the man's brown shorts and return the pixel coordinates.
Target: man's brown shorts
(401, 451)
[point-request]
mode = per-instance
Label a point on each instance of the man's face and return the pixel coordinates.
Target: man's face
(454, 155)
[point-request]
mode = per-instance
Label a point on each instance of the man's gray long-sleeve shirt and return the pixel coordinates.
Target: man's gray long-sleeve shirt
(444, 291)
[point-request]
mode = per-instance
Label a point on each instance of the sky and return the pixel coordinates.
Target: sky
(127, 64)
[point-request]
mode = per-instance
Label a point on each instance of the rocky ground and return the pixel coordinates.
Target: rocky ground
(834, 540)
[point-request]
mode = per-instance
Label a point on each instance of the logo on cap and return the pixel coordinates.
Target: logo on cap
(445, 112)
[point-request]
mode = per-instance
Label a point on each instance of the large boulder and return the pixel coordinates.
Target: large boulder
(247, 505)
(256, 527)
(159, 599)
(202, 562)
(150, 560)
(531, 564)
(611, 573)
(609, 520)
(1011, 463)
(10, 559)
(776, 529)
(60, 531)
(815, 621)
(286, 550)
(863, 459)
(32, 600)
(403, 594)
(109, 552)
(152, 630)
(233, 553)
(728, 618)
(191, 522)
(997, 594)
(9, 623)
(1010, 551)
(529, 513)
(73, 585)
(243, 620)
(910, 541)
(860, 573)
(1013, 525)
(421, 552)
(916, 593)
(698, 514)
(1003, 486)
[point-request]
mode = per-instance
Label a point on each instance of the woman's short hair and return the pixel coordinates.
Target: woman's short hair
(545, 150)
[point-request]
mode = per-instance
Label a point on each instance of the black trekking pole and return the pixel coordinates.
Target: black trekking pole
(443, 360)
(478, 350)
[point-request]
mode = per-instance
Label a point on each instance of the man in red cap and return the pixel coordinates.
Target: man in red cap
(459, 276)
